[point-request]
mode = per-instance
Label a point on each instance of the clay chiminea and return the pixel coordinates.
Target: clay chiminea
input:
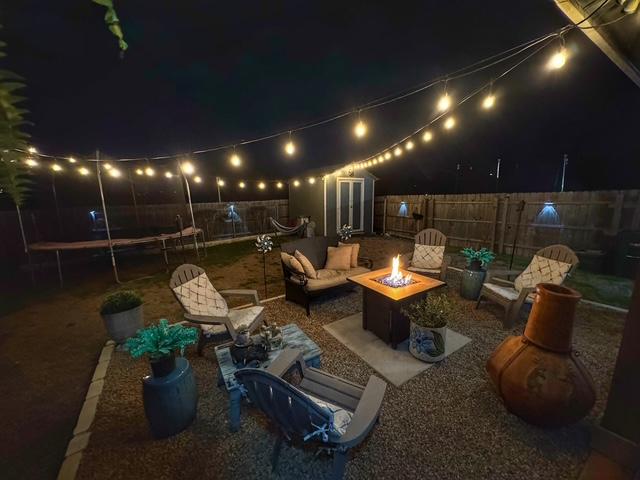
(537, 374)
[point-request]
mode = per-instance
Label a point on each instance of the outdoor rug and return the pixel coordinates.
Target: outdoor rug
(397, 366)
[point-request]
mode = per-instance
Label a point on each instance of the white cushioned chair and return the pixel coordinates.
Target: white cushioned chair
(204, 305)
(549, 265)
(428, 256)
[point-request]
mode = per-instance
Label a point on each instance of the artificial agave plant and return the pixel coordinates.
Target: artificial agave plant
(14, 180)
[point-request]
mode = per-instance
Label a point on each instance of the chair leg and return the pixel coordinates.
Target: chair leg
(507, 321)
(276, 453)
(339, 463)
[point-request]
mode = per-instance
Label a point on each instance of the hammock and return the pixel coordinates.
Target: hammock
(288, 230)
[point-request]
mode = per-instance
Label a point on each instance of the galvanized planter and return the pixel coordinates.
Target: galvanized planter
(427, 344)
(471, 283)
(123, 325)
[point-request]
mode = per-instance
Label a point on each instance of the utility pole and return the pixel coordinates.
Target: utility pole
(565, 160)
(497, 174)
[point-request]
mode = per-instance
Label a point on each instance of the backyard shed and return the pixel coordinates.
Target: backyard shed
(333, 200)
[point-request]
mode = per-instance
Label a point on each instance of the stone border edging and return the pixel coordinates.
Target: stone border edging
(81, 432)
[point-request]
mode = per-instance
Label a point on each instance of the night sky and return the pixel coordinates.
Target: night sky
(201, 73)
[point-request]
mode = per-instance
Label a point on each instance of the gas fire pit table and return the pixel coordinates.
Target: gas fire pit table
(384, 293)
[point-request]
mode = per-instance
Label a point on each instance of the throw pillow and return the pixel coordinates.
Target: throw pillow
(338, 258)
(542, 270)
(291, 262)
(355, 250)
(309, 271)
(427, 256)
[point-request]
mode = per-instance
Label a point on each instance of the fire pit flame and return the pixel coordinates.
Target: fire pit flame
(396, 279)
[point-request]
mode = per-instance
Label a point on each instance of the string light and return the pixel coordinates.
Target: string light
(450, 123)
(444, 103)
(290, 147)
(220, 182)
(56, 168)
(279, 185)
(375, 161)
(398, 151)
(71, 160)
(235, 159)
(149, 172)
(387, 156)
(558, 59)
(312, 180)
(83, 171)
(197, 179)
(296, 183)
(261, 185)
(381, 158)
(242, 184)
(187, 168)
(168, 174)
(360, 130)
(488, 101)
(409, 145)
(427, 136)
(139, 171)
(115, 173)
(32, 150)
(31, 162)
(107, 166)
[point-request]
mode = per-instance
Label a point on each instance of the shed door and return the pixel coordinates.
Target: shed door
(350, 203)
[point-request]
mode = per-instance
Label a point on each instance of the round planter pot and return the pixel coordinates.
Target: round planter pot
(471, 283)
(123, 325)
(427, 344)
(171, 401)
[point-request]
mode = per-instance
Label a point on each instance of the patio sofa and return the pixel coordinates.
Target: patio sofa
(301, 289)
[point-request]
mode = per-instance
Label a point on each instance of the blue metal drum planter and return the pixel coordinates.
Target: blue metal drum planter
(170, 402)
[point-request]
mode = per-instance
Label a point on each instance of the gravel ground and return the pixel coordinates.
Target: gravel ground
(446, 423)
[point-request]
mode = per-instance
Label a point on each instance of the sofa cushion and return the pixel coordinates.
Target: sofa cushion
(331, 278)
(291, 262)
(542, 270)
(339, 258)
(198, 297)
(427, 256)
(314, 248)
(355, 250)
(309, 270)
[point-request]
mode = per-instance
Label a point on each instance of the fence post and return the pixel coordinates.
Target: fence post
(503, 223)
(431, 210)
(496, 201)
(384, 216)
(617, 213)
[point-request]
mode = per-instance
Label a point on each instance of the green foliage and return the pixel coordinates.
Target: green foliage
(160, 340)
(13, 175)
(432, 311)
(113, 22)
(484, 255)
(120, 302)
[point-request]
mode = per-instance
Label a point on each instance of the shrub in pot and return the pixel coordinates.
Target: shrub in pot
(474, 274)
(428, 327)
(122, 314)
(170, 395)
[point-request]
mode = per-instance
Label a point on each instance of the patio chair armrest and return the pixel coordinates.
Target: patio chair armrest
(252, 294)
(296, 278)
(289, 358)
(206, 319)
(366, 262)
(491, 275)
(405, 259)
(524, 293)
(366, 414)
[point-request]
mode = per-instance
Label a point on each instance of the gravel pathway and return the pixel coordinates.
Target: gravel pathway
(446, 423)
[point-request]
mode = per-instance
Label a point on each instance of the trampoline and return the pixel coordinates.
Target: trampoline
(160, 239)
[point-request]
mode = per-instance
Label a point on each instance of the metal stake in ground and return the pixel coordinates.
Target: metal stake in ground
(106, 218)
(264, 244)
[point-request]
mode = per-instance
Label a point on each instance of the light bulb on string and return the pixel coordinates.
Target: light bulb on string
(31, 162)
(490, 99)
(450, 123)
(387, 156)
(197, 179)
(311, 180)
(71, 160)
(380, 158)
(360, 128)
(235, 159)
(398, 151)
(115, 173)
(187, 168)
(559, 58)
(279, 185)
(56, 168)
(427, 136)
(149, 172)
(262, 185)
(139, 171)
(168, 174)
(409, 145)
(375, 161)
(290, 147)
(83, 171)
(296, 183)
(220, 182)
(107, 166)
(242, 184)
(32, 150)
(444, 102)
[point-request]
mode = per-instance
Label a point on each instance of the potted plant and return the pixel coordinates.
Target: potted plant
(474, 274)
(169, 395)
(122, 314)
(428, 327)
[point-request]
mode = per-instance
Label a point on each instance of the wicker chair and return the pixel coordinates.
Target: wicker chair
(432, 238)
(549, 265)
(204, 305)
(330, 411)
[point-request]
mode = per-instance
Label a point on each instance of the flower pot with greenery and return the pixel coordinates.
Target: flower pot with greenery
(474, 274)
(428, 327)
(169, 395)
(122, 314)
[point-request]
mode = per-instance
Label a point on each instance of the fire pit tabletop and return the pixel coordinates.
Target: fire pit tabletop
(370, 280)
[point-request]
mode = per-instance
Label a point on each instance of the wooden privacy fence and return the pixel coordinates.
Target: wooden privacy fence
(581, 220)
(218, 220)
